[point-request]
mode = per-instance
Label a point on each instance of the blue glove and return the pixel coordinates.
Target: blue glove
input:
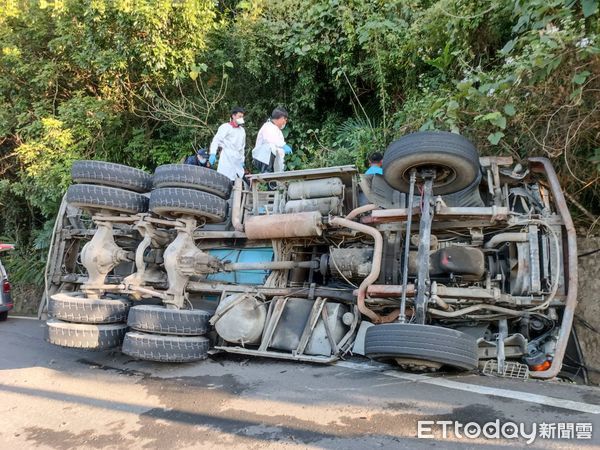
(287, 149)
(212, 158)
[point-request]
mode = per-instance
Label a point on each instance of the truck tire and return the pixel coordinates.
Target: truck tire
(421, 342)
(112, 175)
(88, 196)
(175, 202)
(161, 348)
(158, 319)
(85, 336)
(192, 177)
(74, 307)
(467, 197)
(454, 158)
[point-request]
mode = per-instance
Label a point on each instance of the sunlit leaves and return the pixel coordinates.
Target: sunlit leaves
(589, 7)
(494, 138)
(579, 78)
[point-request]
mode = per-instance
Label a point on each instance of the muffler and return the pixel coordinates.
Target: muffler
(278, 226)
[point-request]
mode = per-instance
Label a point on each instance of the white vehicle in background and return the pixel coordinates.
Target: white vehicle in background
(448, 259)
(6, 302)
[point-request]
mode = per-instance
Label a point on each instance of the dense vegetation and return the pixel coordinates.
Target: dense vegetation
(142, 81)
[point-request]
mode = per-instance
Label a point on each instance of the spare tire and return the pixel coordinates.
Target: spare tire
(161, 348)
(85, 336)
(111, 174)
(74, 307)
(158, 319)
(453, 157)
(175, 202)
(91, 197)
(192, 177)
(426, 343)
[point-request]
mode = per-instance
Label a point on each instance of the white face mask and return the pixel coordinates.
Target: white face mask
(283, 126)
(202, 160)
(240, 121)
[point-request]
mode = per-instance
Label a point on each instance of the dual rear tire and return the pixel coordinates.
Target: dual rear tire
(159, 334)
(186, 190)
(109, 186)
(85, 336)
(156, 333)
(89, 324)
(167, 335)
(175, 190)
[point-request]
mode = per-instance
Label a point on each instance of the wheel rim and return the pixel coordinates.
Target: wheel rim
(444, 175)
(418, 364)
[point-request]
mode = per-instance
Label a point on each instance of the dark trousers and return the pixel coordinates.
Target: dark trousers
(262, 167)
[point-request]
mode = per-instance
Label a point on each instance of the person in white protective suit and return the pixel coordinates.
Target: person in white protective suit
(231, 139)
(270, 150)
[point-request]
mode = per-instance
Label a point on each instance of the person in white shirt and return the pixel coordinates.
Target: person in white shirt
(270, 150)
(231, 139)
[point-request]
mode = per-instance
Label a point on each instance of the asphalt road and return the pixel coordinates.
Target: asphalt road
(52, 397)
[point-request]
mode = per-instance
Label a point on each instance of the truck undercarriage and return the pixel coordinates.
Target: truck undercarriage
(448, 259)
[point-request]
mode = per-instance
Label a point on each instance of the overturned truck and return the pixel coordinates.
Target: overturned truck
(448, 259)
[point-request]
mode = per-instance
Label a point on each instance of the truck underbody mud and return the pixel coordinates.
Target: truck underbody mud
(448, 259)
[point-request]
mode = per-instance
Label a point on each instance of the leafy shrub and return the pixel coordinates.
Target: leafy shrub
(80, 80)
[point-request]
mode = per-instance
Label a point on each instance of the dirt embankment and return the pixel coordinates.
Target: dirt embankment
(587, 314)
(26, 298)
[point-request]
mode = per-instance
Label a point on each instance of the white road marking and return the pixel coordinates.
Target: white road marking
(22, 317)
(475, 388)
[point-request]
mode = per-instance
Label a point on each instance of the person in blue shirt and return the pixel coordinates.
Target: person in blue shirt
(199, 159)
(376, 161)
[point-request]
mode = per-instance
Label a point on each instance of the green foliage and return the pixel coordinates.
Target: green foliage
(47, 162)
(356, 139)
(27, 261)
(143, 82)
(25, 267)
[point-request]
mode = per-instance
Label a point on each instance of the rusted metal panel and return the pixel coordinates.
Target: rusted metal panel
(534, 261)
(389, 290)
(487, 161)
(307, 174)
(279, 355)
(543, 165)
(443, 212)
(278, 226)
(215, 288)
(199, 234)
